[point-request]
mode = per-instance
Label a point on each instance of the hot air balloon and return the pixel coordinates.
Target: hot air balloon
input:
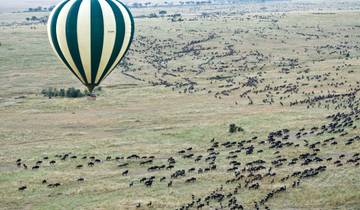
(91, 37)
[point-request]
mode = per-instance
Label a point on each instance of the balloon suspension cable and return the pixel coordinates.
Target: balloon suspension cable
(92, 95)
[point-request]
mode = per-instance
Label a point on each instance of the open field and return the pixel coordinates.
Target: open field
(290, 79)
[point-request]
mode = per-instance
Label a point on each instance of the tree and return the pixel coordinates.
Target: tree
(69, 93)
(136, 5)
(153, 15)
(162, 12)
(232, 128)
(62, 92)
(51, 8)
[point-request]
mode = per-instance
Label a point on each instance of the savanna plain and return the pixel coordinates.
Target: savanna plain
(252, 106)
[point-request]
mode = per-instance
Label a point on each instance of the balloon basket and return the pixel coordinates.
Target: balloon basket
(91, 97)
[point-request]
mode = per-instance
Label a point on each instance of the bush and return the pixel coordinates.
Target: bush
(153, 15)
(69, 93)
(233, 128)
(162, 12)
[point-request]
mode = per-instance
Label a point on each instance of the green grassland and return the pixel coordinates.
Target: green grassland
(147, 117)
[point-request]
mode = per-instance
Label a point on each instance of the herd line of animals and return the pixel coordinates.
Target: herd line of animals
(308, 162)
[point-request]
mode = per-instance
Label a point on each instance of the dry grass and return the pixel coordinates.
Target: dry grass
(134, 117)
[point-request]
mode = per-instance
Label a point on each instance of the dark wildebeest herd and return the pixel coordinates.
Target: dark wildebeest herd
(228, 62)
(225, 158)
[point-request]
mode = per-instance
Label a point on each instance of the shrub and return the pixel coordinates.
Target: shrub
(234, 128)
(153, 15)
(69, 93)
(162, 12)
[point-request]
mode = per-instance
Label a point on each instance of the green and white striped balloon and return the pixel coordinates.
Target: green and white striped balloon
(91, 37)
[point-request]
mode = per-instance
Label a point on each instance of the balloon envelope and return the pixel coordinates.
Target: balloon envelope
(91, 37)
